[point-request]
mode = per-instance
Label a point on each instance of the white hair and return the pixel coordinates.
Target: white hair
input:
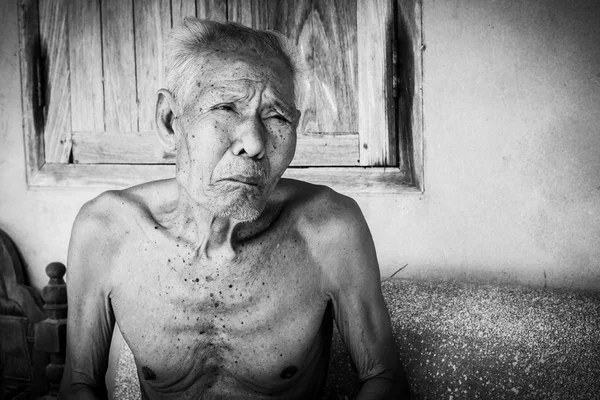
(192, 38)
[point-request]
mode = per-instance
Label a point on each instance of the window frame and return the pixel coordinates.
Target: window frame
(386, 123)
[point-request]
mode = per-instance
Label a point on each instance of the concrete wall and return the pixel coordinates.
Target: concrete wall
(512, 157)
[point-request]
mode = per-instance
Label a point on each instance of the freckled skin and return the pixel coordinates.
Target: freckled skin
(225, 280)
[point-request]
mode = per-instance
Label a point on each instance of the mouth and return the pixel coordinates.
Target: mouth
(246, 180)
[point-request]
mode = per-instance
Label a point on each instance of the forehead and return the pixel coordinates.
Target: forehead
(240, 72)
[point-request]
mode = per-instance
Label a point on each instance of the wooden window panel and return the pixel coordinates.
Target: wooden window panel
(117, 109)
(152, 24)
(53, 29)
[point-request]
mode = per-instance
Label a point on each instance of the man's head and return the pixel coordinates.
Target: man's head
(229, 112)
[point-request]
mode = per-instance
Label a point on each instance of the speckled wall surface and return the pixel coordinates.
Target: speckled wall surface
(512, 152)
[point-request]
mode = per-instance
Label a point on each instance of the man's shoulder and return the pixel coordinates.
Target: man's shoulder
(116, 210)
(336, 234)
(320, 210)
(106, 209)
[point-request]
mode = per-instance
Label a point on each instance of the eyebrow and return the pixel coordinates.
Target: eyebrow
(282, 105)
(236, 89)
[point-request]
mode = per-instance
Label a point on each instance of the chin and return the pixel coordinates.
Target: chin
(242, 209)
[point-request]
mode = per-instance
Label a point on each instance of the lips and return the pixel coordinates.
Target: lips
(248, 180)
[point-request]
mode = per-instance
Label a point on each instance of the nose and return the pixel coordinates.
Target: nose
(250, 140)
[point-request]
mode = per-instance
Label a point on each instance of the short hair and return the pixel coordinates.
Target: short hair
(193, 37)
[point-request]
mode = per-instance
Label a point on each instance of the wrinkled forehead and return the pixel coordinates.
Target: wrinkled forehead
(244, 72)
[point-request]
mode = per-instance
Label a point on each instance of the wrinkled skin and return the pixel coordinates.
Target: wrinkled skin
(225, 280)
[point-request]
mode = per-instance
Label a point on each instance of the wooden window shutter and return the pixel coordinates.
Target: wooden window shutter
(92, 68)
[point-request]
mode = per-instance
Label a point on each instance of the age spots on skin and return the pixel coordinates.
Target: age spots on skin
(149, 375)
(288, 372)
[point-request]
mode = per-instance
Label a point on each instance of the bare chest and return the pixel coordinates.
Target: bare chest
(253, 324)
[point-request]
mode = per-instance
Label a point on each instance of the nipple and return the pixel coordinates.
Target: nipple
(149, 375)
(289, 372)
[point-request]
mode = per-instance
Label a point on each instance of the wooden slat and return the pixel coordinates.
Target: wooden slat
(334, 72)
(85, 61)
(302, 37)
(144, 148)
(152, 24)
(212, 9)
(120, 104)
(257, 14)
(181, 9)
(119, 148)
(363, 181)
(55, 52)
(375, 96)
(416, 139)
(410, 89)
(29, 47)
(99, 176)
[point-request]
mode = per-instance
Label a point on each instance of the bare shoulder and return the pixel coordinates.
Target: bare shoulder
(335, 232)
(104, 223)
(116, 209)
(322, 212)
(105, 213)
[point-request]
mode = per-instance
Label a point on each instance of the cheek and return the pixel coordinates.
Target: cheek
(283, 145)
(202, 146)
(208, 138)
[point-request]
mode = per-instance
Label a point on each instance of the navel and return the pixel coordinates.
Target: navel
(288, 372)
(149, 375)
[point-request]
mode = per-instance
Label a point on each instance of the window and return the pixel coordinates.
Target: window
(91, 68)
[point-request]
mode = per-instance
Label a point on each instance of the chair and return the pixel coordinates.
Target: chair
(33, 326)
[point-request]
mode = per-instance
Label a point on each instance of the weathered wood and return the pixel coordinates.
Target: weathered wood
(334, 72)
(99, 175)
(55, 80)
(51, 333)
(119, 148)
(212, 9)
(363, 181)
(152, 24)
(29, 48)
(357, 180)
(181, 9)
(301, 34)
(375, 96)
(125, 175)
(144, 148)
(259, 14)
(85, 66)
(410, 89)
(120, 98)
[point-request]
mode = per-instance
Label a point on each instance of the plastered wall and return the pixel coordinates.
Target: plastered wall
(512, 152)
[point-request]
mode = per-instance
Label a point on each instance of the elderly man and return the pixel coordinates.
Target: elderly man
(225, 280)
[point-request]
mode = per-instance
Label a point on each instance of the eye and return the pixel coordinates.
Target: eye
(278, 118)
(225, 107)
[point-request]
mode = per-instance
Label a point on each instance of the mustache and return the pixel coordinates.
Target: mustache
(252, 170)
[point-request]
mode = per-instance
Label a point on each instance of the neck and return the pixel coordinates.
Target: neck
(212, 236)
(215, 238)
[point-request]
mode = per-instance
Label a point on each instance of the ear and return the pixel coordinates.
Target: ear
(297, 115)
(165, 116)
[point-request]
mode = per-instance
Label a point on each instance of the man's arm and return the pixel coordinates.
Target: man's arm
(353, 282)
(90, 320)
